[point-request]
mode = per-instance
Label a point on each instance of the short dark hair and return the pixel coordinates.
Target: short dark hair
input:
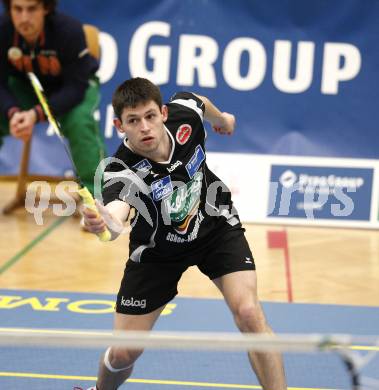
(50, 5)
(133, 92)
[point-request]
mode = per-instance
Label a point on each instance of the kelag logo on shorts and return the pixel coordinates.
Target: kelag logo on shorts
(320, 192)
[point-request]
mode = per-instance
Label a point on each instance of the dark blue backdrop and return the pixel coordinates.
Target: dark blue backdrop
(312, 122)
(269, 121)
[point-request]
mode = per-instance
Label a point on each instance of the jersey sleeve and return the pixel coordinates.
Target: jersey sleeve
(122, 183)
(117, 183)
(191, 101)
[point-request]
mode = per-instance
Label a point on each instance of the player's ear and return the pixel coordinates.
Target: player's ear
(118, 125)
(164, 111)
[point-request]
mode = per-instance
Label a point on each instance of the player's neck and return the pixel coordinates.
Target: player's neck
(163, 151)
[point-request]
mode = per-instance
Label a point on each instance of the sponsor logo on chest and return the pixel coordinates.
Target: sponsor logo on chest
(194, 163)
(143, 165)
(161, 188)
(172, 167)
(183, 133)
(173, 237)
(184, 199)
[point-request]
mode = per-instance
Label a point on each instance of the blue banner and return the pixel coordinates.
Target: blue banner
(300, 76)
(320, 192)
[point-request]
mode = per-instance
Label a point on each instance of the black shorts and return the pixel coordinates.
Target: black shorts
(148, 286)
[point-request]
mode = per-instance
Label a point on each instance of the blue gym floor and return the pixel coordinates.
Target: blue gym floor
(56, 369)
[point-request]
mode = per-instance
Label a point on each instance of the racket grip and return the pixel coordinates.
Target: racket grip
(90, 203)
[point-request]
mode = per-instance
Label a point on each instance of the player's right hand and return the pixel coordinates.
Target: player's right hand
(225, 124)
(94, 222)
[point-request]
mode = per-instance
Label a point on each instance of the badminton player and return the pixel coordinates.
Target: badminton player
(184, 216)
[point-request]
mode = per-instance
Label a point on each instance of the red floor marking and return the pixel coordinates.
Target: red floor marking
(277, 239)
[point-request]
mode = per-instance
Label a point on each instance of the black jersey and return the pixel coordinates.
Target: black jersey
(180, 203)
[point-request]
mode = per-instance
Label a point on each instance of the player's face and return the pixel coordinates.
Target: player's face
(28, 17)
(144, 127)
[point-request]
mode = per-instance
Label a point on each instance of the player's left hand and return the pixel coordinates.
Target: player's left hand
(225, 125)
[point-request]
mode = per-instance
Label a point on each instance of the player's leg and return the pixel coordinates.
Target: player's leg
(82, 131)
(145, 290)
(240, 292)
(116, 364)
(230, 265)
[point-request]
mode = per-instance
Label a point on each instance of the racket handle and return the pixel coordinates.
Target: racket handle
(90, 203)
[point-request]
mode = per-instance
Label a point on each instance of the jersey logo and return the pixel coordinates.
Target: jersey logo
(194, 163)
(184, 201)
(172, 167)
(183, 133)
(143, 165)
(161, 188)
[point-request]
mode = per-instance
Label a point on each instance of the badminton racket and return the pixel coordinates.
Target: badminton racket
(84, 193)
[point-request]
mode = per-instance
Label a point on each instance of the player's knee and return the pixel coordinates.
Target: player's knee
(249, 317)
(120, 358)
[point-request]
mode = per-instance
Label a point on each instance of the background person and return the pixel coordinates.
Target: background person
(34, 37)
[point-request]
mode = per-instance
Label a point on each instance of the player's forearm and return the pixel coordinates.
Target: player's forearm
(211, 114)
(222, 122)
(119, 213)
(115, 228)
